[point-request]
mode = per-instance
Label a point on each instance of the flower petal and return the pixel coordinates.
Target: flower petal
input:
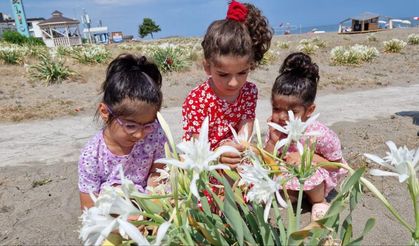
(267, 209)
(374, 158)
(172, 162)
(312, 119)
(280, 200)
(219, 166)
(278, 127)
(300, 148)
(193, 187)
(378, 172)
(161, 232)
(132, 232)
(203, 134)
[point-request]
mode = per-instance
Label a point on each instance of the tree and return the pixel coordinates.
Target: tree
(148, 27)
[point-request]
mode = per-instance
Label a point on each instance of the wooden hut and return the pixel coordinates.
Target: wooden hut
(366, 22)
(60, 31)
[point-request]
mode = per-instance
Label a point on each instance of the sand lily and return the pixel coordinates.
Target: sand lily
(263, 187)
(396, 160)
(98, 224)
(295, 130)
(198, 157)
(243, 136)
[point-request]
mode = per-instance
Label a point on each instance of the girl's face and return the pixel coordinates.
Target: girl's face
(229, 74)
(124, 131)
(282, 104)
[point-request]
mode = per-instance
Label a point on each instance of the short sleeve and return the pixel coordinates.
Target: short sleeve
(89, 178)
(159, 144)
(192, 115)
(251, 97)
(328, 145)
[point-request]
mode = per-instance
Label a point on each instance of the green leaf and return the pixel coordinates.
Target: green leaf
(348, 235)
(353, 179)
(368, 226)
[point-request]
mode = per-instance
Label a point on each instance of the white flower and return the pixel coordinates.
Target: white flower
(198, 156)
(97, 224)
(243, 136)
(111, 202)
(264, 188)
(164, 173)
(396, 160)
(295, 130)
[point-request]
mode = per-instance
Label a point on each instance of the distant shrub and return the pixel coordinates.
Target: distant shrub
(91, 54)
(283, 45)
(14, 37)
(307, 47)
(170, 58)
(413, 39)
(13, 53)
(319, 42)
(50, 70)
(268, 58)
(394, 45)
(353, 55)
(17, 38)
(372, 38)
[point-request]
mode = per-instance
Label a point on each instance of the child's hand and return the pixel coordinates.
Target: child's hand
(274, 137)
(230, 158)
(293, 158)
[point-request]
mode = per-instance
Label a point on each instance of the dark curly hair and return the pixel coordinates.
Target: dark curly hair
(298, 76)
(230, 37)
(131, 77)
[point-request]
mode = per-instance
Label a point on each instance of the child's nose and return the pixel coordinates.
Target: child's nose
(140, 134)
(233, 82)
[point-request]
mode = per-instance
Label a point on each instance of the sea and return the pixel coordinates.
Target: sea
(298, 29)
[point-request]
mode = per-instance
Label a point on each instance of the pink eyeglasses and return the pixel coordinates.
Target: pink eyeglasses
(133, 127)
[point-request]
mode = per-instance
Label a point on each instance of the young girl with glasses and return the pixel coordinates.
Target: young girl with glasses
(131, 137)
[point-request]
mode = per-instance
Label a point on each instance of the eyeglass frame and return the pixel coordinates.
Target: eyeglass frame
(149, 127)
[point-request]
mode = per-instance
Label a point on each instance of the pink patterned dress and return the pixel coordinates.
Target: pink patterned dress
(328, 146)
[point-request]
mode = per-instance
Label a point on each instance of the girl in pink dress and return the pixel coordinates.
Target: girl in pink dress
(295, 89)
(232, 48)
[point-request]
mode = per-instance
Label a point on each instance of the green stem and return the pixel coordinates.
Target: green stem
(379, 195)
(299, 202)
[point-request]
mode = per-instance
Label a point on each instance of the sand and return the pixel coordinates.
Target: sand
(38, 155)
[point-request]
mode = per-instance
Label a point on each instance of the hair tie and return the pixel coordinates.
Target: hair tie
(237, 11)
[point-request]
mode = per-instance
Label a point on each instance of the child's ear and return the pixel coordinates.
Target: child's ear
(207, 67)
(310, 110)
(104, 112)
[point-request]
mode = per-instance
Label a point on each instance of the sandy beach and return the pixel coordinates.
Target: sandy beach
(43, 128)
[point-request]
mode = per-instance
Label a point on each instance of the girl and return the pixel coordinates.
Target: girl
(232, 47)
(132, 137)
(295, 89)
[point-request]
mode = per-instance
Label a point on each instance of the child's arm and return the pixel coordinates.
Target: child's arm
(153, 175)
(85, 201)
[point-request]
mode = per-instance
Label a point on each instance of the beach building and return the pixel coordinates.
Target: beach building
(365, 22)
(97, 35)
(60, 31)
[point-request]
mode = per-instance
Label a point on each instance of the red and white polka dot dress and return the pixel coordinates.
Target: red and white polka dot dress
(202, 102)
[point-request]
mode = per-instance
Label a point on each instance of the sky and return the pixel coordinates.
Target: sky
(192, 17)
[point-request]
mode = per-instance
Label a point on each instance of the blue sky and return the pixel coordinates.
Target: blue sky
(192, 17)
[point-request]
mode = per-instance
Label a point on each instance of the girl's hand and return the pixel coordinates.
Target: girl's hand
(274, 137)
(230, 158)
(293, 158)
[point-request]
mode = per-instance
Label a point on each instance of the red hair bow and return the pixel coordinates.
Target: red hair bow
(237, 11)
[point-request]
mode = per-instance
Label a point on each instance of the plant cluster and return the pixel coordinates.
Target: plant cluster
(394, 45)
(90, 54)
(283, 45)
(241, 207)
(13, 53)
(50, 70)
(413, 39)
(353, 55)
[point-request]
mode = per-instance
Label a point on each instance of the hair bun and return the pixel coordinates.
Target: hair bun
(300, 64)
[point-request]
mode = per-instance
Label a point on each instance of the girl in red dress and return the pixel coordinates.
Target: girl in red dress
(232, 47)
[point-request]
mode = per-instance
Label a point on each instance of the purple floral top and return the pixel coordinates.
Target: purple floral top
(98, 167)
